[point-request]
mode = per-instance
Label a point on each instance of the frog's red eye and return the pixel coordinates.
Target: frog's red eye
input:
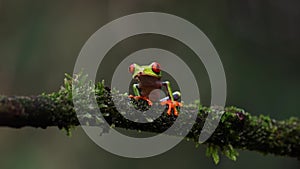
(131, 68)
(156, 67)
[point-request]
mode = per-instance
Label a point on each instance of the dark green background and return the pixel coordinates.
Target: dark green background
(258, 43)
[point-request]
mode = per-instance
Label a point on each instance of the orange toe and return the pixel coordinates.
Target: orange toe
(169, 111)
(175, 111)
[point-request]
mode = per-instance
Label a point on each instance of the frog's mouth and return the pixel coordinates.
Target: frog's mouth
(143, 75)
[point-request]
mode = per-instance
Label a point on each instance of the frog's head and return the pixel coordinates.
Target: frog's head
(148, 70)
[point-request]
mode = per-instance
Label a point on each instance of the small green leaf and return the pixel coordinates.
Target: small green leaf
(230, 152)
(215, 156)
(213, 152)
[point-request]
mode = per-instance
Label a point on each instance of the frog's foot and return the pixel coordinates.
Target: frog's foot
(172, 105)
(141, 97)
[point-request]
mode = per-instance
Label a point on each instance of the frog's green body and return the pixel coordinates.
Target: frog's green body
(149, 79)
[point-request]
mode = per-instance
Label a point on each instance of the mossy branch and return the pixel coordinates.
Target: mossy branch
(237, 129)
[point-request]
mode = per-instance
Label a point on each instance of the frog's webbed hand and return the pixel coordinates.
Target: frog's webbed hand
(138, 96)
(172, 104)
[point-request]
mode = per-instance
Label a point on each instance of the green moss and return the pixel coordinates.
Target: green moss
(237, 128)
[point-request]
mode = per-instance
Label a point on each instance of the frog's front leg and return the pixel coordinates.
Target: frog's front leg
(138, 96)
(172, 104)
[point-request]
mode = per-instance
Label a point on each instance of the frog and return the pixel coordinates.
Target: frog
(148, 79)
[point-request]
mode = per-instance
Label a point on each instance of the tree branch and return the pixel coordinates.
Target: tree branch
(237, 128)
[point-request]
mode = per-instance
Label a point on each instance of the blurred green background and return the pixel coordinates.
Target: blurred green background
(258, 43)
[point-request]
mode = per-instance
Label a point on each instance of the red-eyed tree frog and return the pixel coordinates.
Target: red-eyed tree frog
(149, 79)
